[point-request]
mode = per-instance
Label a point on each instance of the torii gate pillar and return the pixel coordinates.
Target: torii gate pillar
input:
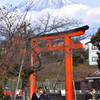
(68, 70)
(67, 46)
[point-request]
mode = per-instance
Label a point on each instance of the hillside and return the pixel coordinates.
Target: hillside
(51, 70)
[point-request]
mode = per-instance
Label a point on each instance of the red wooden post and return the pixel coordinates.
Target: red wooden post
(68, 70)
(32, 76)
(32, 85)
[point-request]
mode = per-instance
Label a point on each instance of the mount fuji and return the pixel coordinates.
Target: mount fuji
(39, 5)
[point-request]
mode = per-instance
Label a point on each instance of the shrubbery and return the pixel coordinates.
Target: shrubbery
(1, 93)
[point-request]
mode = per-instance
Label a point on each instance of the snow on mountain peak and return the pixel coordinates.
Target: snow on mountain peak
(43, 4)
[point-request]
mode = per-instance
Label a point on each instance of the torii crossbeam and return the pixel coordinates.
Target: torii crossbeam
(66, 46)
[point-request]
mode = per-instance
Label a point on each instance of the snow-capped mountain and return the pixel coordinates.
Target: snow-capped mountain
(39, 5)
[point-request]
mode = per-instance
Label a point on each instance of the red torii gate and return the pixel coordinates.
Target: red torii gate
(67, 46)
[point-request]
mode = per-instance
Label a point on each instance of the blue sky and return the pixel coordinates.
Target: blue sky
(91, 3)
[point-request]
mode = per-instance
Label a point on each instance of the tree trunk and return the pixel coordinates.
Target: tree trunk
(19, 75)
(25, 94)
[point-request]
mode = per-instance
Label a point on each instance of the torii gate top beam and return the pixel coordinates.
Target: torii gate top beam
(69, 33)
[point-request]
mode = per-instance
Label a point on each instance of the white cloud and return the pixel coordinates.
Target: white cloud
(77, 11)
(93, 15)
(89, 16)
